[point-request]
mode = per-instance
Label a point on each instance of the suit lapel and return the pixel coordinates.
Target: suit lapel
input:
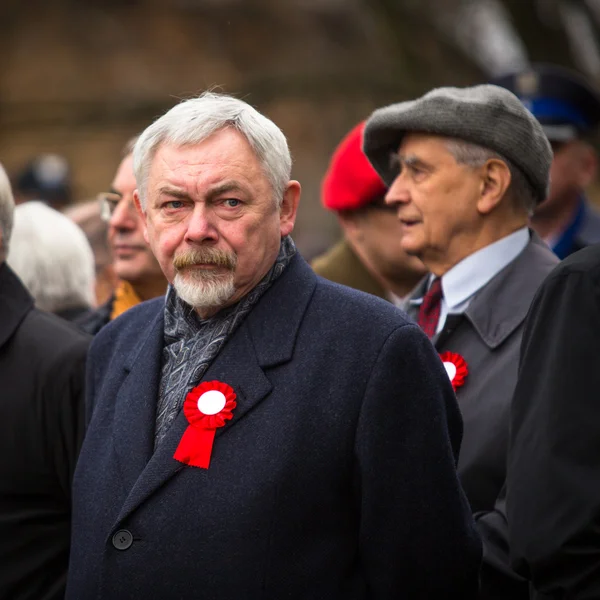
(240, 364)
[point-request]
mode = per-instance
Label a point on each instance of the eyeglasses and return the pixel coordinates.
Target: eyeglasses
(109, 202)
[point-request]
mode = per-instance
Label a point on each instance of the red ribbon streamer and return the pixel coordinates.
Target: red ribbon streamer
(195, 446)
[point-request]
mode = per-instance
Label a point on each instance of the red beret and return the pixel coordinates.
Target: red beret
(351, 182)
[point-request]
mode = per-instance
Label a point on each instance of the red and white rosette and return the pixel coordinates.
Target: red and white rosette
(456, 367)
(207, 407)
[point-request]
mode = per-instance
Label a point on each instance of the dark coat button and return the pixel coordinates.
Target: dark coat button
(122, 539)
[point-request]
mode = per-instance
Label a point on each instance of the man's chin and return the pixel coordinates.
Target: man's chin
(412, 249)
(203, 278)
(209, 295)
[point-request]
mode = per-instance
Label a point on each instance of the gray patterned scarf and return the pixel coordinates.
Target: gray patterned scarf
(191, 344)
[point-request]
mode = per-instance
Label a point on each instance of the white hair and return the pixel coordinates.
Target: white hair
(473, 155)
(52, 257)
(7, 209)
(193, 121)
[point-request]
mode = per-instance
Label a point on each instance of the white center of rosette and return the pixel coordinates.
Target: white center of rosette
(211, 402)
(450, 369)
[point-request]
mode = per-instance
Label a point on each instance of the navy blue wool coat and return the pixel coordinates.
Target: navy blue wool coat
(334, 479)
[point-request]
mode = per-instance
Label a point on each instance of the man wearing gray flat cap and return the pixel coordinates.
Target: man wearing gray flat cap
(465, 168)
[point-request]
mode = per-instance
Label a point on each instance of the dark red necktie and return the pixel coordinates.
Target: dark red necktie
(429, 312)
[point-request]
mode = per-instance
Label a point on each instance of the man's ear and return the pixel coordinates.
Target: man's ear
(142, 213)
(289, 207)
(495, 181)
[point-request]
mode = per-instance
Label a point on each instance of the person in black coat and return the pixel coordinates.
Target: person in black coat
(42, 364)
(553, 495)
(260, 432)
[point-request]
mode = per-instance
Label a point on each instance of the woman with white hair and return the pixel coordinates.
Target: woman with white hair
(53, 258)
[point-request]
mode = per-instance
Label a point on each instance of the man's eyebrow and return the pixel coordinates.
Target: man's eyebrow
(173, 192)
(225, 187)
(410, 160)
(222, 188)
(113, 191)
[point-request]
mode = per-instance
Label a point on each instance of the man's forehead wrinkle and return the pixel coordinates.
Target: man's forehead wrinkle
(209, 167)
(161, 158)
(204, 171)
(200, 154)
(225, 145)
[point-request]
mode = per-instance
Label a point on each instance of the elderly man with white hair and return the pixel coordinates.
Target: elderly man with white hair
(53, 258)
(42, 360)
(260, 432)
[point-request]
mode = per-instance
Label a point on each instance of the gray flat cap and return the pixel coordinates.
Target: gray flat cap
(487, 115)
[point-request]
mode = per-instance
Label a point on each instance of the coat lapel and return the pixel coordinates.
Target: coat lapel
(135, 407)
(250, 385)
(241, 364)
(498, 308)
(502, 304)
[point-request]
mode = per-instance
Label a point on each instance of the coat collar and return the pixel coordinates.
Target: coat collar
(265, 339)
(502, 304)
(15, 302)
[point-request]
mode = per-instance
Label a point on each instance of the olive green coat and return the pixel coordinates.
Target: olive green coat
(341, 265)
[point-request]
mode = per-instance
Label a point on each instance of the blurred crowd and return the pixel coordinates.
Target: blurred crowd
(466, 211)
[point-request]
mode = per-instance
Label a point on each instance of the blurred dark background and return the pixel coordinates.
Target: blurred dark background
(80, 77)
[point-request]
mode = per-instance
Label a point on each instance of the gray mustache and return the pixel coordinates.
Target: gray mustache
(211, 256)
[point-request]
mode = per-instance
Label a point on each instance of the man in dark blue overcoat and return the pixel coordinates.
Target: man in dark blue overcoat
(260, 432)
